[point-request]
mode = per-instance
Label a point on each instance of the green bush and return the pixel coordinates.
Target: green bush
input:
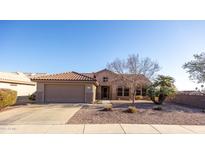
(132, 109)
(32, 97)
(162, 88)
(7, 97)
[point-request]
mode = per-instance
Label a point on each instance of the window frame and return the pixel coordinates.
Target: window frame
(138, 91)
(105, 79)
(127, 91)
(121, 91)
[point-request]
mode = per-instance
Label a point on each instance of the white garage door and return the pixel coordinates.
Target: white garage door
(64, 93)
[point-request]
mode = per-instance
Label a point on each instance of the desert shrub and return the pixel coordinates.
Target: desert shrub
(138, 97)
(132, 109)
(98, 102)
(157, 107)
(7, 97)
(32, 97)
(107, 107)
(146, 98)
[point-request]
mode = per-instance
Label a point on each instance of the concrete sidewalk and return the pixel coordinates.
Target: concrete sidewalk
(102, 129)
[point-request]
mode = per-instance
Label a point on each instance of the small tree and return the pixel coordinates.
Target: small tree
(161, 89)
(196, 68)
(130, 70)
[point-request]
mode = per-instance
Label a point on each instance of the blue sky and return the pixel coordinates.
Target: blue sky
(87, 46)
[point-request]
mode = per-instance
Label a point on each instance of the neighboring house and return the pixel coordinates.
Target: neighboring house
(17, 81)
(85, 87)
(32, 75)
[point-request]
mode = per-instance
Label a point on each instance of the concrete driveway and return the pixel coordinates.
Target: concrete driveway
(49, 114)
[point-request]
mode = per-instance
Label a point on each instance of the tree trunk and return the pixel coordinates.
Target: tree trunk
(133, 98)
(160, 99)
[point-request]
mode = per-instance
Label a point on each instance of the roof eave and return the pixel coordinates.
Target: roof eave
(18, 82)
(75, 81)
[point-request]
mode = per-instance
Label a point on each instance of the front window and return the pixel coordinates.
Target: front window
(119, 91)
(122, 91)
(105, 79)
(138, 91)
(126, 91)
(142, 91)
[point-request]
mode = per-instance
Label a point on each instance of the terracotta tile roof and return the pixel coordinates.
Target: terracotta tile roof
(89, 74)
(140, 77)
(67, 76)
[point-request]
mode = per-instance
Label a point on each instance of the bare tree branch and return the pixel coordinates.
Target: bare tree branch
(196, 68)
(131, 68)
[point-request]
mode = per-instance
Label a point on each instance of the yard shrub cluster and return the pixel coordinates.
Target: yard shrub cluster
(32, 97)
(132, 109)
(138, 97)
(7, 97)
(107, 107)
(98, 102)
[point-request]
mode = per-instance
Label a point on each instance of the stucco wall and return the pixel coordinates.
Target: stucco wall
(113, 82)
(22, 90)
(190, 100)
(90, 93)
(100, 75)
(94, 90)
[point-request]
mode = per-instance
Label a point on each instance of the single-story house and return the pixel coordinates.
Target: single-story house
(68, 87)
(111, 86)
(76, 87)
(17, 81)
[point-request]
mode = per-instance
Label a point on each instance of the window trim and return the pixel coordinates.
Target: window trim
(141, 91)
(123, 91)
(118, 91)
(125, 88)
(105, 79)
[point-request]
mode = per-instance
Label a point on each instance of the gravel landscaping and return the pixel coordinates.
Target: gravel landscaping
(170, 114)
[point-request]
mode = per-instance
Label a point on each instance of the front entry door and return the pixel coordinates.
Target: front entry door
(105, 92)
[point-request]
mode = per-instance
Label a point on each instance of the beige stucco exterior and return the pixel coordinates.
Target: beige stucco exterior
(112, 84)
(83, 88)
(17, 81)
(21, 89)
(70, 92)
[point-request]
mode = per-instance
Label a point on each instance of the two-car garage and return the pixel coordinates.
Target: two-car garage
(69, 87)
(64, 93)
